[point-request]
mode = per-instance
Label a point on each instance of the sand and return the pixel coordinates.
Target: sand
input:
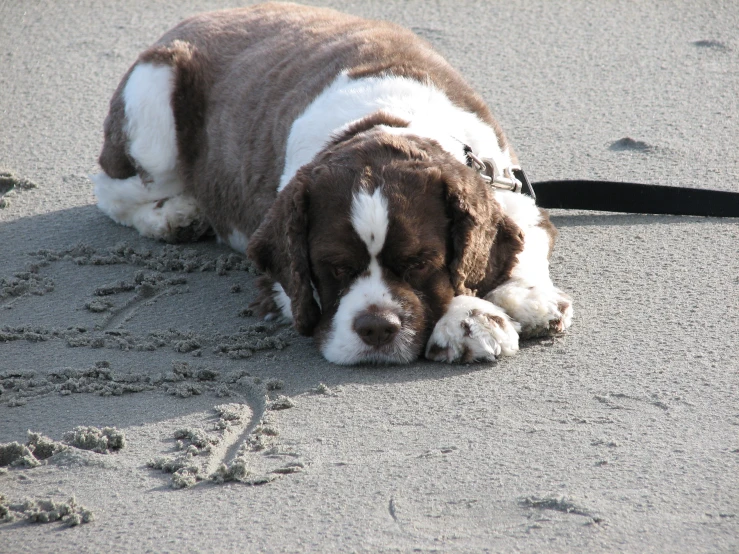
(619, 437)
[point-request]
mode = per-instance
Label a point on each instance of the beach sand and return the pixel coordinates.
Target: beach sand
(166, 418)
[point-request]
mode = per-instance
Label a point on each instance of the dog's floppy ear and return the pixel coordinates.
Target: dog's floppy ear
(279, 247)
(484, 242)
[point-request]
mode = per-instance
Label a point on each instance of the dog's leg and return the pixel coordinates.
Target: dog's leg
(529, 296)
(152, 200)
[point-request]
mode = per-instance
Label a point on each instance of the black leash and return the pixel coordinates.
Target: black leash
(607, 196)
(610, 196)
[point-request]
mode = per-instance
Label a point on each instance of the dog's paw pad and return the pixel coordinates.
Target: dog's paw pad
(472, 329)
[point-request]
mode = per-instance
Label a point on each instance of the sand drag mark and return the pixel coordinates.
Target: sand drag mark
(239, 446)
(559, 504)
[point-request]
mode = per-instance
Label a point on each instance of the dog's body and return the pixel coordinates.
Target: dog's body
(334, 150)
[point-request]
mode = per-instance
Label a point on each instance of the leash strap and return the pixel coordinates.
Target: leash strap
(610, 196)
(607, 196)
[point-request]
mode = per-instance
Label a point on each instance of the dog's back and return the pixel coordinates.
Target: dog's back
(242, 77)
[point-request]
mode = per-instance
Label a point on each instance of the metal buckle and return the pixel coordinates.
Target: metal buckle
(505, 180)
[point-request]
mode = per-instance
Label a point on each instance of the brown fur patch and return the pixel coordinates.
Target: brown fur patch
(280, 248)
(496, 320)
(114, 158)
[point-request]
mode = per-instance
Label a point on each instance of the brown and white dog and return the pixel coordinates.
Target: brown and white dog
(333, 151)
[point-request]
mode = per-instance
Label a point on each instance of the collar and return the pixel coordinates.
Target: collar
(511, 178)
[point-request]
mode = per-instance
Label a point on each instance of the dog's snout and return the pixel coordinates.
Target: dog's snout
(377, 328)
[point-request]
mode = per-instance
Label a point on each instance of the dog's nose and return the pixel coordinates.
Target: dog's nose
(377, 328)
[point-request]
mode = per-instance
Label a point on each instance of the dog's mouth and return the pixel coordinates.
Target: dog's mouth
(402, 350)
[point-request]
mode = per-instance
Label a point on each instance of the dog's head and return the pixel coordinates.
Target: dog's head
(373, 239)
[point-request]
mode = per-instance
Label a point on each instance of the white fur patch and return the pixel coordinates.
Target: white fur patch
(283, 301)
(470, 330)
(119, 199)
(150, 123)
(344, 346)
(284, 304)
(238, 241)
(370, 219)
(428, 110)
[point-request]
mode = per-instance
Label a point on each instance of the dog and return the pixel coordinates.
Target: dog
(336, 152)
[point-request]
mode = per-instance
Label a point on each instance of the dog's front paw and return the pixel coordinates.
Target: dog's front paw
(542, 310)
(472, 329)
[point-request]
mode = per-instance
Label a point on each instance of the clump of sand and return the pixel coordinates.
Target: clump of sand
(32, 454)
(282, 402)
(45, 511)
(16, 387)
(39, 448)
(242, 344)
(238, 471)
(28, 281)
(10, 184)
(102, 441)
(183, 469)
(15, 454)
(324, 389)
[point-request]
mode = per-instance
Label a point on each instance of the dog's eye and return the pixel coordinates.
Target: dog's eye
(342, 273)
(415, 269)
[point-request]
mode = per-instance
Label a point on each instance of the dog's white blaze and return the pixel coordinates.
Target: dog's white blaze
(370, 219)
(428, 110)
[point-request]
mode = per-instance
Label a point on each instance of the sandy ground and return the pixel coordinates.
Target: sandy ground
(620, 436)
